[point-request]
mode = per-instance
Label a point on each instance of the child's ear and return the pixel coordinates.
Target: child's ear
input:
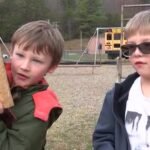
(52, 69)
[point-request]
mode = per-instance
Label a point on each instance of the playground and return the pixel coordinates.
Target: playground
(81, 90)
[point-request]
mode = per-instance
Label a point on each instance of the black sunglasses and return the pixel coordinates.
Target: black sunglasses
(129, 49)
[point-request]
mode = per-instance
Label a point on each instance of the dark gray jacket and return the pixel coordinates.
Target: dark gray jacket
(110, 132)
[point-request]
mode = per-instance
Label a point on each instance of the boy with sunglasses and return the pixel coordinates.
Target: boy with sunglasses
(124, 122)
(36, 50)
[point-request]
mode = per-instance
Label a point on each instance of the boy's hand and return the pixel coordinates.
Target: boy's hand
(1, 108)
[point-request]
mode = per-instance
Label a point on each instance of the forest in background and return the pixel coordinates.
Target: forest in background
(72, 17)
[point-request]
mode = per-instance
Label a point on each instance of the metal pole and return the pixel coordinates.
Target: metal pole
(95, 50)
(136, 5)
(5, 46)
(81, 46)
(96, 46)
(119, 60)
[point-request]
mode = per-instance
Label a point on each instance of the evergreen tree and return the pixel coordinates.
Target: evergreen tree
(89, 15)
(14, 13)
(68, 20)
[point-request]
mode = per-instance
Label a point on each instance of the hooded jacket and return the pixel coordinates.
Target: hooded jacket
(24, 126)
(110, 132)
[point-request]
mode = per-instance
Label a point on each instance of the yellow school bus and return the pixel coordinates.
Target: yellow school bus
(114, 37)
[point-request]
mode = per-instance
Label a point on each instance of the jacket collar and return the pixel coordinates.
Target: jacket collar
(123, 88)
(121, 95)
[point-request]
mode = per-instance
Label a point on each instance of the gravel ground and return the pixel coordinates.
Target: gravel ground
(81, 92)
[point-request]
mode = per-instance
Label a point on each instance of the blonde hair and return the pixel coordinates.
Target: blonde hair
(41, 37)
(139, 23)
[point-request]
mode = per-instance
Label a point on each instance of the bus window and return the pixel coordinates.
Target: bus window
(109, 36)
(117, 36)
(116, 45)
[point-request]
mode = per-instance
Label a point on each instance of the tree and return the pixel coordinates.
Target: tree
(68, 20)
(89, 15)
(14, 13)
(113, 20)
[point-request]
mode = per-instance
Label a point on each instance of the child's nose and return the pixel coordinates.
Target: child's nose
(137, 51)
(25, 65)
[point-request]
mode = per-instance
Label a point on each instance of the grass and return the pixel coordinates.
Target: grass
(81, 94)
(74, 53)
(80, 56)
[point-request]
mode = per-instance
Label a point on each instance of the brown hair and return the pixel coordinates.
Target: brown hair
(139, 23)
(42, 38)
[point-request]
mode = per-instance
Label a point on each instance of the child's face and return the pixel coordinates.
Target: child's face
(28, 67)
(140, 61)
